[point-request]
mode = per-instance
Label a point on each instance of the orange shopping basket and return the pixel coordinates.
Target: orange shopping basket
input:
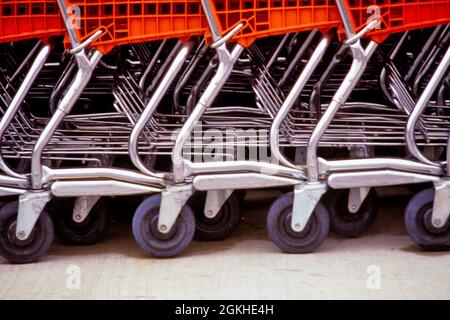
(274, 17)
(131, 21)
(397, 15)
(29, 19)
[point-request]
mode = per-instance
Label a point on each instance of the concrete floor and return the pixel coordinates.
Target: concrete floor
(383, 264)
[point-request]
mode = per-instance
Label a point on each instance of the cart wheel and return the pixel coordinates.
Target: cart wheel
(290, 241)
(24, 251)
(418, 223)
(147, 235)
(348, 224)
(222, 225)
(90, 231)
(240, 195)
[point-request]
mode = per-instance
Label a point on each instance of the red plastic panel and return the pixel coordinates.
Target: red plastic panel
(275, 17)
(130, 21)
(28, 19)
(399, 15)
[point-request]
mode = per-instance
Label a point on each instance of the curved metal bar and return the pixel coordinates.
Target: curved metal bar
(423, 52)
(17, 101)
(87, 66)
(199, 54)
(86, 43)
(151, 107)
(297, 59)
(226, 64)
(392, 55)
(360, 59)
(150, 66)
(210, 17)
(352, 39)
(25, 61)
(228, 36)
(347, 20)
(431, 60)
(420, 108)
(292, 97)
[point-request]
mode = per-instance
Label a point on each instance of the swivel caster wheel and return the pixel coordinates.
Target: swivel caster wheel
(222, 225)
(87, 232)
(346, 223)
(151, 240)
(289, 241)
(418, 216)
(24, 251)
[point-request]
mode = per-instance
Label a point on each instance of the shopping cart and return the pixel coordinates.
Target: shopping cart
(88, 34)
(359, 175)
(252, 49)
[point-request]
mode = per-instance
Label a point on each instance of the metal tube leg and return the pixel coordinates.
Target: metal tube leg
(292, 97)
(65, 106)
(17, 101)
(227, 62)
(174, 198)
(209, 13)
(307, 195)
(151, 108)
(420, 107)
(360, 59)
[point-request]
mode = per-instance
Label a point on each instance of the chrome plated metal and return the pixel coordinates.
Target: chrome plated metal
(215, 199)
(292, 98)
(441, 208)
(227, 61)
(91, 188)
(82, 207)
(241, 181)
(360, 59)
(100, 173)
(376, 178)
(173, 199)
(17, 102)
(87, 66)
(356, 197)
(7, 191)
(31, 205)
(306, 197)
(420, 107)
(377, 163)
(151, 108)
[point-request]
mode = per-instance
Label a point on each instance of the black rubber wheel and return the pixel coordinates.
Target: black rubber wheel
(222, 225)
(290, 241)
(348, 224)
(240, 195)
(151, 240)
(24, 251)
(90, 231)
(418, 216)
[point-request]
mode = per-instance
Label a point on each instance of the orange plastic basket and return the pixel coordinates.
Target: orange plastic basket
(398, 15)
(131, 21)
(275, 17)
(28, 19)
